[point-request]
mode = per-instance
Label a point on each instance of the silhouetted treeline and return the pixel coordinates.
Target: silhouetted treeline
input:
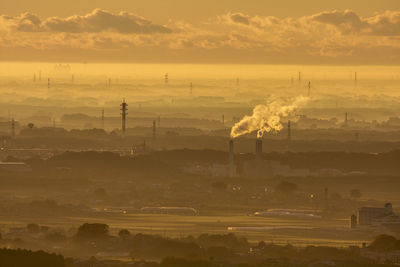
(25, 258)
(172, 162)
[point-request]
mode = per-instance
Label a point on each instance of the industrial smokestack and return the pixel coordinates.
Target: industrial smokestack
(123, 116)
(259, 148)
(231, 158)
(12, 127)
(231, 152)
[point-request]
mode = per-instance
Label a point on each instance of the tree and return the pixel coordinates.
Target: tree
(355, 193)
(124, 234)
(92, 231)
(31, 125)
(385, 243)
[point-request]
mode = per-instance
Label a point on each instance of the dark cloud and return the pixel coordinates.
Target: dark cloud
(339, 18)
(385, 24)
(96, 21)
(240, 18)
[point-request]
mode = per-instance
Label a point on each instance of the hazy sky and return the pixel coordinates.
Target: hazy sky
(223, 31)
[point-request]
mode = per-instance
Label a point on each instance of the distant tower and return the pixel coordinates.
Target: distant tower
(12, 127)
(355, 79)
(289, 129)
(72, 78)
(346, 124)
(154, 129)
(231, 159)
(223, 119)
(102, 119)
(48, 83)
(299, 76)
(259, 148)
(191, 88)
(109, 82)
(166, 78)
(124, 110)
(309, 88)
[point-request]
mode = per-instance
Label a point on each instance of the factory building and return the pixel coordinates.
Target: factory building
(382, 219)
(372, 215)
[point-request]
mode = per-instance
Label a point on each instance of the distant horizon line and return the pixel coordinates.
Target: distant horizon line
(196, 63)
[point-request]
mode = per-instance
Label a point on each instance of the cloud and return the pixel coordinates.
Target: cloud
(240, 18)
(337, 37)
(383, 24)
(96, 21)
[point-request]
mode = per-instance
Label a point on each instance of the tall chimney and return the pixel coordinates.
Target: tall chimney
(123, 116)
(231, 158)
(259, 148)
(12, 127)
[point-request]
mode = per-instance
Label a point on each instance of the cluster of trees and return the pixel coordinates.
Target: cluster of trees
(385, 243)
(206, 250)
(154, 246)
(24, 258)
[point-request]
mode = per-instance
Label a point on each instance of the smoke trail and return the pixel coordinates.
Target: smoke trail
(267, 118)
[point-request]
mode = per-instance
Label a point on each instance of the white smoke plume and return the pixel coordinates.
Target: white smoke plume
(267, 118)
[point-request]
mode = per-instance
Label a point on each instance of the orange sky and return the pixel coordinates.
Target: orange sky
(252, 31)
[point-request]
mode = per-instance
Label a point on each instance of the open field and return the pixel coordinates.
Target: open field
(333, 232)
